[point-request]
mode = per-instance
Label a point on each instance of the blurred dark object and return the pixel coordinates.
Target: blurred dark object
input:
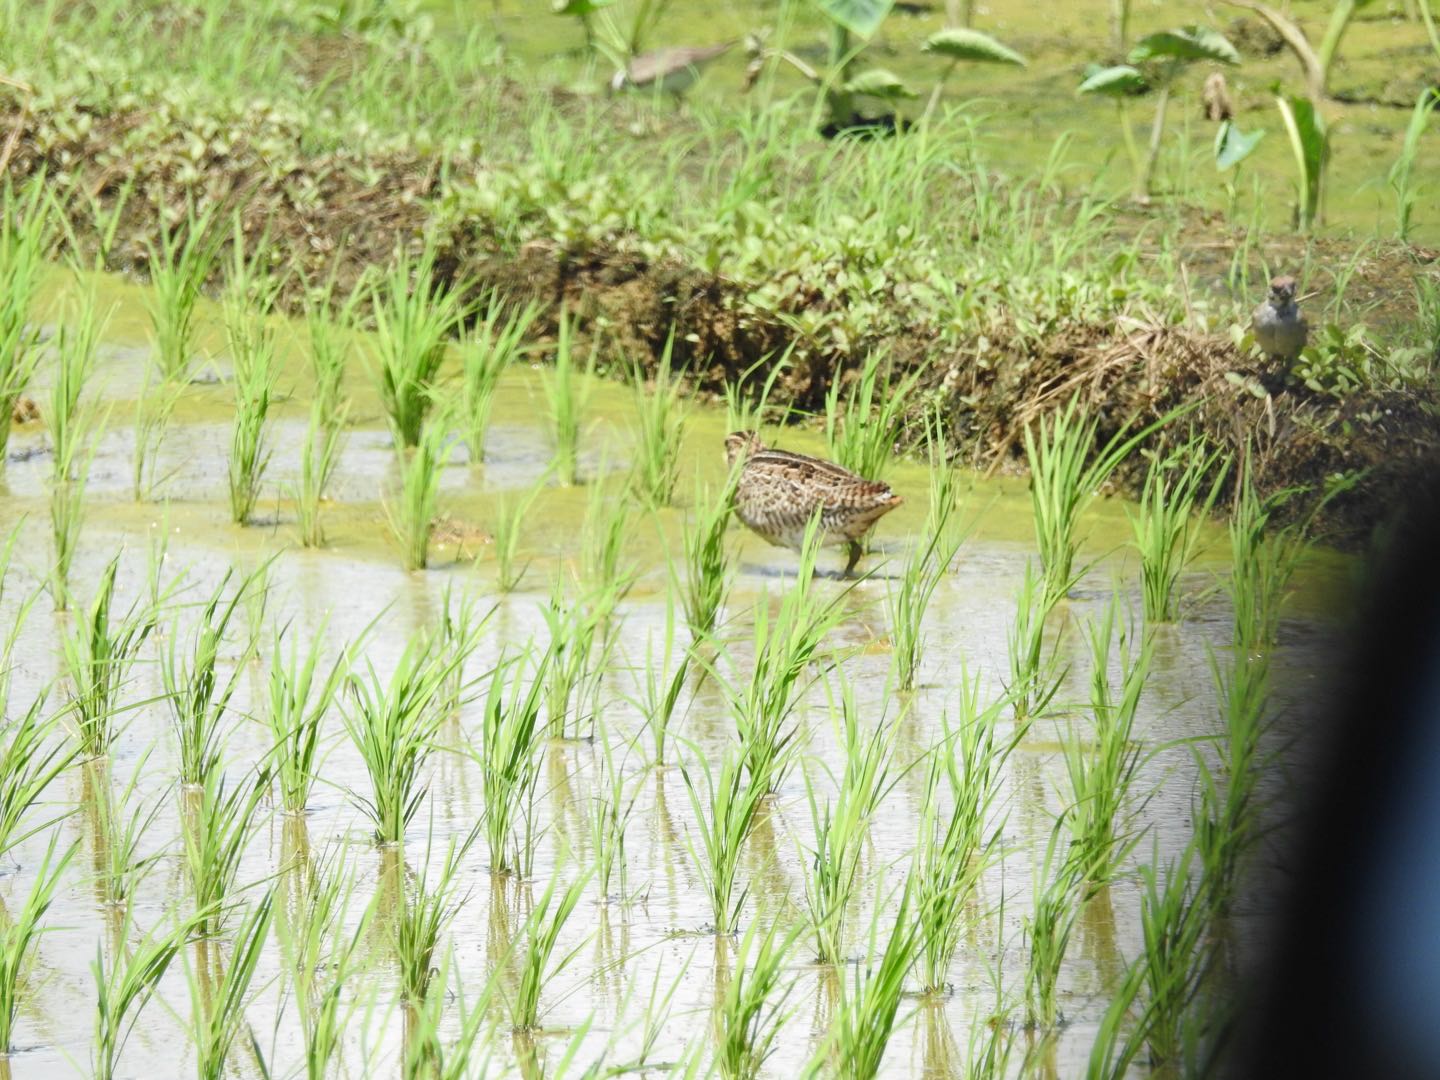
(1351, 986)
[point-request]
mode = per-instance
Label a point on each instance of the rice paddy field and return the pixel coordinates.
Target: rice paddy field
(389, 687)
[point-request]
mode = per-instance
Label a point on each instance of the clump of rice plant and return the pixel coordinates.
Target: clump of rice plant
(579, 651)
(709, 565)
(862, 435)
(842, 825)
(393, 726)
(20, 934)
(19, 614)
(1064, 479)
(218, 999)
(1102, 774)
(508, 755)
(319, 457)
(324, 959)
(611, 806)
(329, 328)
(567, 392)
(536, 959)
(119, 832)
(1035, 668)
(508, 517)
(29, 760)
(1167, 529)
(69, 478)
(414, 315)
(422, 919)
(867, 1014)
(252, 352)
(1047, 931)
(153, 409)
(664, 681)
(26, 235)
(411, 515)
(725, 811)
(76, 343)
(659, 430)
(751, 1011)
(954, 848)
(605, 535)
(218, 825)
(122, 988)
(1263, 560)
(302, 693)
(97, 656)
(178, 269)
(485, 354)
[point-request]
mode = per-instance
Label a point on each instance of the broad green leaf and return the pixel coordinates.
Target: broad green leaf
(578, 7)
(879, 83)
(958, 43)
(1186, 44)
(1306, 130)
(861, 17)
(1117, 81)
(1232, 146)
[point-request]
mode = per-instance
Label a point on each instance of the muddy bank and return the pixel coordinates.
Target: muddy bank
(342, 212)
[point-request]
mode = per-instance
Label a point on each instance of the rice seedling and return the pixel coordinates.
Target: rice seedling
(1101, 775)
(67, 511)
(567, 393)
(322, 1021)
(324, 437)
(423, 918)
(123, 987)
(659, 431)
(154, 407)
(1035, 669)
(485, 354)
(20, 934)
(925, 566)
(751, 1012)
(121, 867)
(862, 436)
(1263, 560)
(508, 517)
(393, 726)
(509, 761)
(252, 352)
(26, 235)
(607, 528)
(709, 565)
(411, 516)
(579, 649)
(745, 411)
(725, 811)
(1399, 176)
(1047, 930)
(19, 614)
(954, 848)
(842, 825)
(299, 703)
(868, 1011)
(76, 343)
(1167, 528)
(218, 1001)
(98, 655)
(1063, 484)
(179, 267)
(218, 825)
(536, 958)
(785, 647)
(329, 325)
(414, 316)
(663, 682)
(456, 636)
(426, 1057)
(611, 807)
(199, 695)
(29, 760)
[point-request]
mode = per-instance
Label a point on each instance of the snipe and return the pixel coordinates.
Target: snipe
(778, 492)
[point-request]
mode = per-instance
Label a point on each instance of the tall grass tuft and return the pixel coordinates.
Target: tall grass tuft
(536, 957)
(218, 1000)
(725, 811)
(751, 1012)
(411, 515)
(26, 235)
(252, 351)
(414, 315)
(508, 755)
(97, 657)
(567, 392)
(709, 566)
(179, 267)
(20, 934)
(862, 435)
(1167, 527)
(659, 431)
(485, 353)
(580, 647)
(842, 826)
(1102, 774)
(298, 705)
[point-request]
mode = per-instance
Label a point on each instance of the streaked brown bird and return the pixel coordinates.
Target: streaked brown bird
(778, 492)
(672, 70)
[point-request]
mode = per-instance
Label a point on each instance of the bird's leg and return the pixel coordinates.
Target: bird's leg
(856, 549)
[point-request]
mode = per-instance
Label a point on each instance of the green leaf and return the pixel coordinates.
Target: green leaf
(1186, 44)
(879, 83)
(958, 43)
(1232, 146)
(1116, 81)
(578, 7)
(861, 17)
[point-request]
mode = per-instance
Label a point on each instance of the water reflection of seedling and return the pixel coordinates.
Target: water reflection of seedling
(660, 428)
(220, 991)
(26, 234)
(567, 392)
(750, 1013)
(98, 655)
(299, 702)
(411, 515)
(725, 809)
(20, 934)
(1167, 531)
(178, 268)
(485, 354)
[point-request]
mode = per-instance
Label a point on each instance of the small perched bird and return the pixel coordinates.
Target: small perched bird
(778, 493)
(673, 70)
(1279, 327)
